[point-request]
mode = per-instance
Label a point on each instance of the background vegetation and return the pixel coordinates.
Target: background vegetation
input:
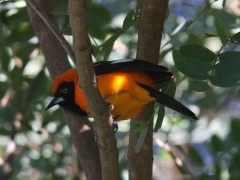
(200, 45)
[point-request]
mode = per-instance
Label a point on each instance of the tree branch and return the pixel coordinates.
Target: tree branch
(52, 26)
(98, 108)
(149, 39)
(56, 60)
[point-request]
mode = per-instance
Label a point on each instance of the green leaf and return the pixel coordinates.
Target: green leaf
(227, 71)
(141, 139)
(234, 166)
(169, 88)
(130, 19)
(224, 80)
(197, 52)
(224, 3)
(60, 11)
(22, 34)
(192, 66)
(236, 38)
(217, 144)
(199, 86)
(16, 78)
(161, 114)
(229, 62)
(24, 51)
(98, 18)
(5, 58)
(67, 30)
(98, 13)
(139, 126)
(221, 28)
(195, 156)
(217, 171)
(235, 133)
(108, 45)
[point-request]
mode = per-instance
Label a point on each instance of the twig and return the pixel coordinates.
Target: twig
(51, 25)
(201, 14)
(99, 109)
(216, 58)
(179, 157)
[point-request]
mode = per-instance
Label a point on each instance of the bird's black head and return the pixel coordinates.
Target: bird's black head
(65, 98)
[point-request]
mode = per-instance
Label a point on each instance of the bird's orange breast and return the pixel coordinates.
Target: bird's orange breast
(122, 91)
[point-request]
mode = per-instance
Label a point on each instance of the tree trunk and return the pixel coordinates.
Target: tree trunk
(57, 63)
(151, 24)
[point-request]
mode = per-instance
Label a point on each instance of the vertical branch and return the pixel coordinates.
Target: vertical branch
(98, 108)
(56, 60)
(151, 24)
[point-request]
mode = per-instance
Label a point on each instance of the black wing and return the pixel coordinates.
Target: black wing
(159, 73)
(169, 102)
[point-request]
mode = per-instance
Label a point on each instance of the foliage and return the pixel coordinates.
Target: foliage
(201, 44)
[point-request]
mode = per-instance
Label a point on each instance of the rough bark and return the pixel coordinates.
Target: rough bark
(98, 108)
(151, 24)
(56, 60)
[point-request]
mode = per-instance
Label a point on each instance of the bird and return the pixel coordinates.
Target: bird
(126, 84)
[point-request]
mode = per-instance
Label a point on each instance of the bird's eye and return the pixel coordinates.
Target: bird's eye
(64, 90)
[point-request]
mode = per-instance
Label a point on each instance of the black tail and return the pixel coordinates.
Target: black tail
(169, 102)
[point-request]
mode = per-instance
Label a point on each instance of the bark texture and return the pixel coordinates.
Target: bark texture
(98, 108)
(151, 25)
(56, 60)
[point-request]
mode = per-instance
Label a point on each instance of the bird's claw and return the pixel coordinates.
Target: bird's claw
(111, 106)
(115, 127)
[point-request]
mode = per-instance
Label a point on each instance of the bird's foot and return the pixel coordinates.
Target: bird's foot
(115, 127)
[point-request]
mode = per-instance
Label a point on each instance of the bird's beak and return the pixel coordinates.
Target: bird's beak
(54, 102)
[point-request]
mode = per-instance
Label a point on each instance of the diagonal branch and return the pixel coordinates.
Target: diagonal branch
(98, 108)
(56, 60)
(52, 26)
(151, 24)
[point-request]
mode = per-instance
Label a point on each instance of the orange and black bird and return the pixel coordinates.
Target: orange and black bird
(127, 84)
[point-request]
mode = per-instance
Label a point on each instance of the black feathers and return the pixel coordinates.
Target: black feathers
(169, 102)
(159, 73)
